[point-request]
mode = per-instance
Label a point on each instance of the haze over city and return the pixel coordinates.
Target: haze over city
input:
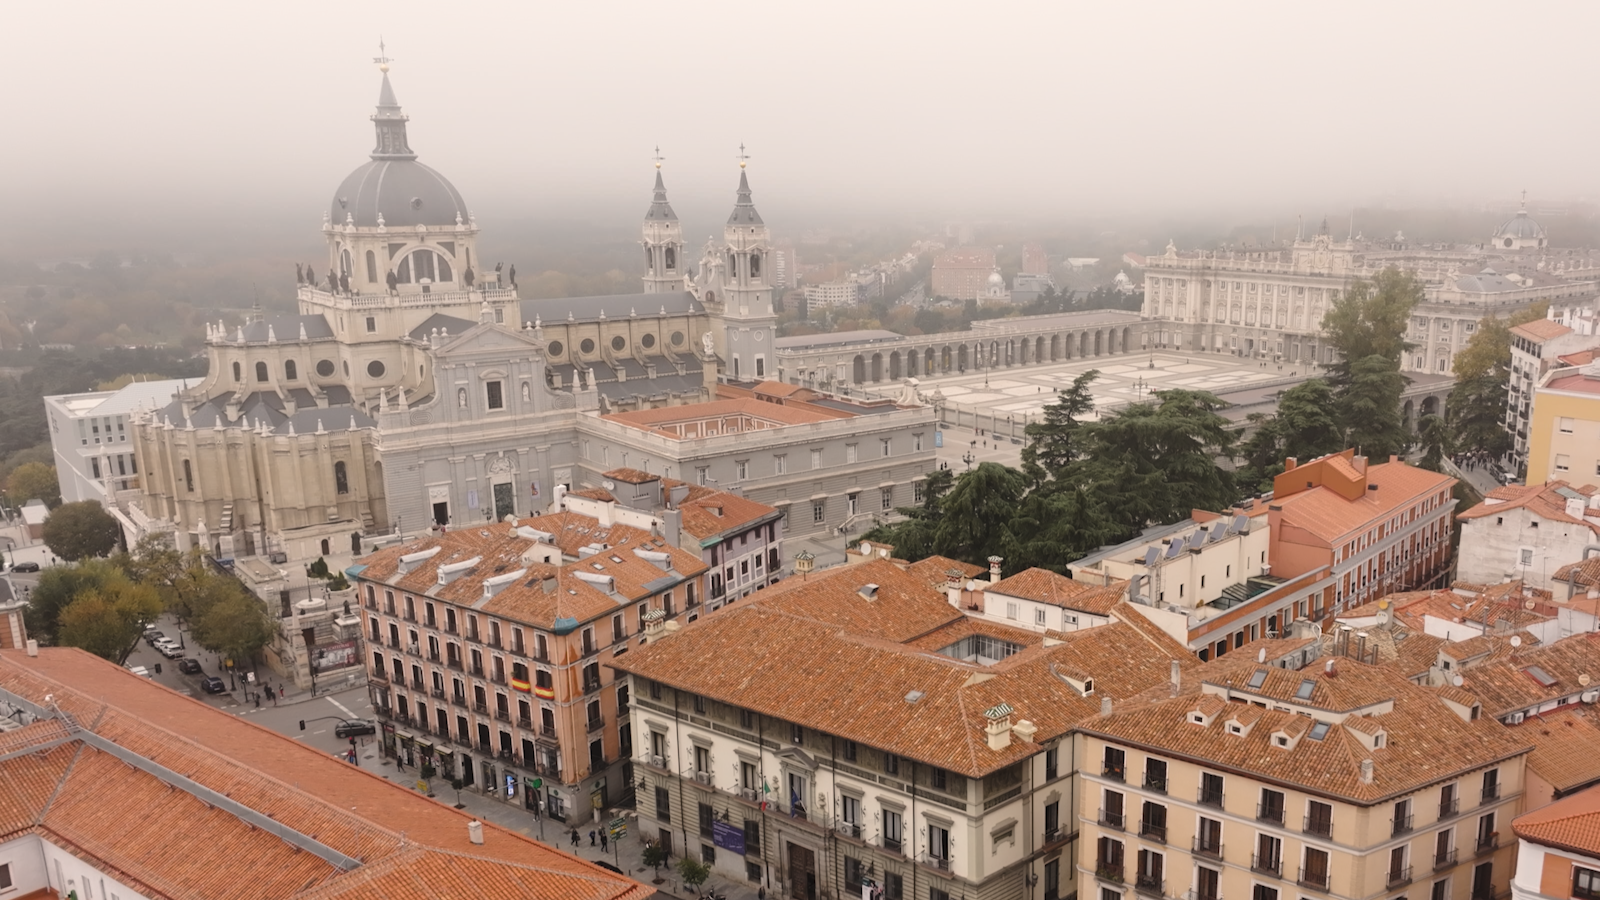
(180, 114)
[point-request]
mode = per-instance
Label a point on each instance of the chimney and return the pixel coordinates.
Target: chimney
(1359, 463)
(1366, 771)
(654, 625)
(33, 647)
(1330, 669)
(1105, 705)
(998, 729)
(1176, 678)
(994, 569)
(475, 830)
(1025, 730)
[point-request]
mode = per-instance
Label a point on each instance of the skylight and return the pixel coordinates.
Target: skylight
(1304, 692)
(1319, 731)
(1259, 678)
(1540, 675)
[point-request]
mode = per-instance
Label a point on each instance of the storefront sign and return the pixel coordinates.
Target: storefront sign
(727, 837)
(511, 786)
(335, 656)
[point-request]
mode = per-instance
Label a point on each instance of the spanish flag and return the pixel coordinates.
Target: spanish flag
(545, 693)
(518, 684)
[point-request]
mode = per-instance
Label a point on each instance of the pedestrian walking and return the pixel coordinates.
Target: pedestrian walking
(602, 840)
(591, 837)
(574, 838)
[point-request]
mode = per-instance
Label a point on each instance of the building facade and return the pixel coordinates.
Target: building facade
(1527, 532)
(89, 439)
(1558, 850)
(1564, 426)
(961, 273)
(1537, 347)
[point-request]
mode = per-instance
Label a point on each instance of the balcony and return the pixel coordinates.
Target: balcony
(1400, 825)
(656, 762)
(1317, 879)
(597, 724)
(416, 684)
(1491, 793)
(548, 731)
(1108, 872)
(1115, 773)
(477, 671)
(454, 664)
(438, 693)
(1273, 814)
(480, 706)
(591, 685)
(1398, 877)
(1153, 831)
(498, 678)
(1157, 783)
(1488, 843)
(459, 699)
(495, 643)
(942, 863)
(1270, 865)
(503, 715)
(524, 721)
(381, 677)
(473, 637)
(1444, 860)
(1318, 826)
(1112, 819)
(394, 643)
(1449, 808)
(893, 845)
(1149, 885)
(1210, 797)
(433, 656)
(1207, 847)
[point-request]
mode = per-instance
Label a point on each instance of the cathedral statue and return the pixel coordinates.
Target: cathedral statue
(709, 343)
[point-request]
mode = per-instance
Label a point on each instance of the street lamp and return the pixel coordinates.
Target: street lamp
(968, 458)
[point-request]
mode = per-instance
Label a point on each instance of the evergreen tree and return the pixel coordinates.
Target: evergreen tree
(1435, 436)
(1370, 320)
(1052, 443)
(1370, 407)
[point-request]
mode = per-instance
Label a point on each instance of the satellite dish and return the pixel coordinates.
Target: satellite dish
(610, 485)
(1458, 681)
(1384, 603)
(1583, 679)
(866, 549)
(1261, 655)
(1516, 640)
(1528, 604)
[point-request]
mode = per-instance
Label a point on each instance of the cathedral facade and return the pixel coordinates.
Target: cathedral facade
(415, 389)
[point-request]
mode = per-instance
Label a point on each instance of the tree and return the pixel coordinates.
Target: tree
(1304, 427)
(1370, 320)
(655, 856)
(108, 623)
(1370, 407)
(694, 872)
(912, 536)
(236, 625)
(187, 585)
(1051, 441)
(59, 586)
(34, 481)
(81, 530)
(977, 512)
(1435, 436)
(1476, 408)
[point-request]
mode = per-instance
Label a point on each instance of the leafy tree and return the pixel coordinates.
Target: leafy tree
(236, 625)
(1435, 436)
(182, 579)
(693, 871)
(1370, 320)
(59, 586)
(34, 481)
(109, 622)
(81, 530)
(1476, 407)
(655, 856)
(1370, 407)
(1051, 445)
(1304, 427)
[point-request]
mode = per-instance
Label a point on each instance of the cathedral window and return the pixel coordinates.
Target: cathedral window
(288, 370)
(188, 476)
(587, 345)
(496, 395)
(672, 258)
(325, 368)
(341, 482)
(648, 341)
(375, 369)
(372, 267)
(261, 371)
(618, 343)
(372, 324)
(238, 373)
(755, 265)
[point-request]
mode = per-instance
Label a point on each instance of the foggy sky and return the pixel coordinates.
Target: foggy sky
(223, 113)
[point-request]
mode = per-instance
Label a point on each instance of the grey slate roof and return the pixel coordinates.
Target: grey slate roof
(660, 210)
(744, 212)
(287, 328)
(265, 406)
(615, 306)
(406, 192)
(455, 324)
(865, 336)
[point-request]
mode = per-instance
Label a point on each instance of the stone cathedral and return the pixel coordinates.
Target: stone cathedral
(414, 388)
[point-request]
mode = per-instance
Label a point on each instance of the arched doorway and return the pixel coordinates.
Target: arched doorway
(894, 366)
(1126, 333)
(858, 369)
(1055, 347)
(877, 367)
(927, 362)
(1430, 407)
(1083, 344)
(1038, 349)
(961, 357)
(1097, 343)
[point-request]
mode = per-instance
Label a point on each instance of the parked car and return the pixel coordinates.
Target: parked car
(151, 636)
(354, 727)
(189, 666)
(211, 684)
(140, 671)
(169, 649)
(25, 566)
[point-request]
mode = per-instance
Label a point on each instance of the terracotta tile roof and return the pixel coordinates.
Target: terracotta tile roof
(933, 569)
(631, 476)
(1585, 573)
(1541, 330)
(1580, 358)
(600, 494)
(966, 626)
(499, 550)
(777, 389)
(1502, 605)
(1407, 651)
(1330, 517)
(844, 671)
(1426, 741)
(1045, 586)
(1572, 823)
(1505, 685)
(185, 847)
(1564, 747)
(1584, 381)
(709, 513)
(1543, 500)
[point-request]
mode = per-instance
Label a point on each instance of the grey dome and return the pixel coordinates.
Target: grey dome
(1520, 227)
(406, 192)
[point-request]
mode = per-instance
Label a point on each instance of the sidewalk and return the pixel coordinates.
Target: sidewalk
(626, 854)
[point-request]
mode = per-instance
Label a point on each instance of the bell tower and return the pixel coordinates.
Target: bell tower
(663, 242)
(749, 322)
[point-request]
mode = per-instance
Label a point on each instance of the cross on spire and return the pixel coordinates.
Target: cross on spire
(743, 157)
(658, 157)
(382, 59)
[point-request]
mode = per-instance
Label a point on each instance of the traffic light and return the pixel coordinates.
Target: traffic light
(302, 724)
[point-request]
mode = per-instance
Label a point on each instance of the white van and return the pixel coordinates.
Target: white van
(140, 671)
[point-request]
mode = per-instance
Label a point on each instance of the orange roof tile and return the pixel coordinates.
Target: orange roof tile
(1564, 744)
(1322, 512)
(934, 569)
(1543, 500)
(1540, 330)
(631, 476)
(1506, 686)
(1045, 586)
(1571, 823)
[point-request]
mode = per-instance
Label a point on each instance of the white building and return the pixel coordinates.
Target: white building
(89, 435)
(1527, 532)
(1558, 850)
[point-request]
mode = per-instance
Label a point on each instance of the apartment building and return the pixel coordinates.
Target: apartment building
(1344, 781)
(490, 652)
(1528, 532)
(1558, 850)
(1564, 426)
(118, 787)
(1044, 600)
(962, 273)
(89, 439)
(853, 731)
(1378, 528)
(1537, 348)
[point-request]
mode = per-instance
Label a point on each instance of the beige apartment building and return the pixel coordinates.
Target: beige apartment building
(1343, 781)
(962, 273)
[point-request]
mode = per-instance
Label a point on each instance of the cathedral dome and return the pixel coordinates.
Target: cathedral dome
(996, 281)
(1521, 227)
(404, 192)
(394, 186)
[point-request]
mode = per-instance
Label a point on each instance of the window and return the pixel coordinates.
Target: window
(891, 830)
(917, 493)
(816, 458)
(372, 324)
(188, 476)
(1271, 807)
(1262, 892)
(1211, 789)
(818, 507)
(1269, 854)
(496, 395)
(849, 453)
(1585, 883)
(1315, 870)
(288, 370)
(741, 469)
(237, 374)
(1052, 759)
(1052, 820)
(1155, 775)
(916, 442)
(891, 764)
(1011, 610)
(1319, 818)
(888, 498)
(797, 734)
(5, 877)
(938, 842)
(341, 481)
(780, 464)
(1441, 890)
(884, 443)
(1564, 424)
(1563, 462)
(1115, 764)
(663, 805)
(1038, 617)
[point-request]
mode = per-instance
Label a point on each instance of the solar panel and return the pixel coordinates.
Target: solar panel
(1174, 550)
(1218, 531)
(1570, 494)
(1151, 555)
(1540, 675)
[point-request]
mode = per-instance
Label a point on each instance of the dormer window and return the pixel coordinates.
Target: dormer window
(1197, 718)
(1088, 686)
(1280, 740)
(1235, 728)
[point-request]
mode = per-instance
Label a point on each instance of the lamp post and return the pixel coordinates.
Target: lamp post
(968, 458)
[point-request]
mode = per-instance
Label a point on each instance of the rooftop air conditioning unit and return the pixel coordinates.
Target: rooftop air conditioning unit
(1514, 719)
(1590, 696)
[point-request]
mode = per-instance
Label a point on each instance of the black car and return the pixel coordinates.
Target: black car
(25, 567)
(211, 684)
(354, 727)
(189, 666)
(151, 636)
